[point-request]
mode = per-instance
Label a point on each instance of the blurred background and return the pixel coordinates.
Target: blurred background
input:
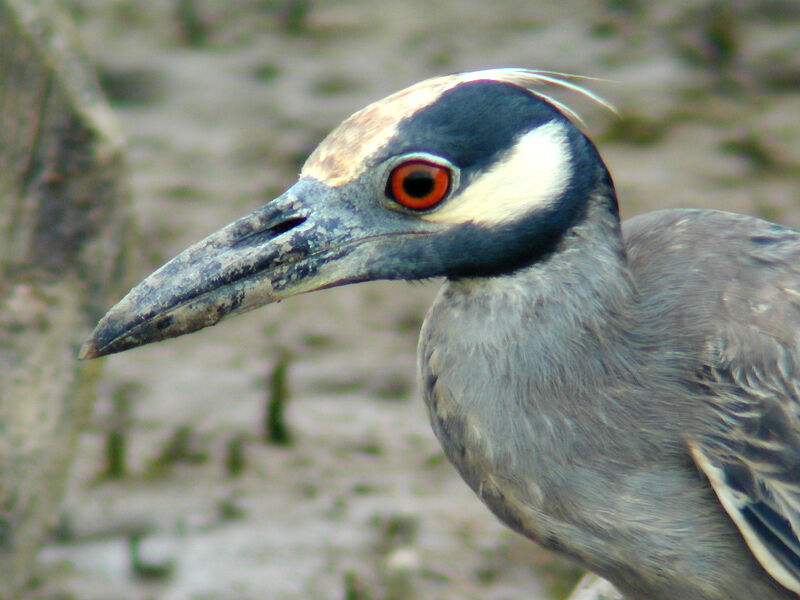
(286, 453)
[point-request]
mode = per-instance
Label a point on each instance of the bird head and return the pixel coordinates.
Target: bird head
(466, 175)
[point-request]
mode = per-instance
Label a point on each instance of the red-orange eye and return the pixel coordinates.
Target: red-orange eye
(418, 184)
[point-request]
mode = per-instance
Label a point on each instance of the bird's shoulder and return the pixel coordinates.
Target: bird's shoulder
(734, 283)
(723, 273)
(714, 246)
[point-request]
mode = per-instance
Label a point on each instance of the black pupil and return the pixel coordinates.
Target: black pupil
(418, 184)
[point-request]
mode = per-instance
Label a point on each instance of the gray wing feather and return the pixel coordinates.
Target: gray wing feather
(739, 287)
(752, 371)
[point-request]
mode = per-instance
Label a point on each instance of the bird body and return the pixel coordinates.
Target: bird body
(605, 416)
(627, 396)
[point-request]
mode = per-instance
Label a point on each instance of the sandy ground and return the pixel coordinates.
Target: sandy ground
(221, 102)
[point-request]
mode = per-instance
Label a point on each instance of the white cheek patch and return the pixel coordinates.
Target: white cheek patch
(533, 174)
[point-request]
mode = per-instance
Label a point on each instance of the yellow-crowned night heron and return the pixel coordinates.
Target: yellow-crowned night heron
(628, 397)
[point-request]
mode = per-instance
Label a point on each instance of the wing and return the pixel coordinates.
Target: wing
(730, 285)
(751, 373)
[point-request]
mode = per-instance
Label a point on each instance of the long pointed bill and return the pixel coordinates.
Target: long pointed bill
(304, 240)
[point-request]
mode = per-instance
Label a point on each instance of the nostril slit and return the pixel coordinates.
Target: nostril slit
(265, 235)
(287, 225)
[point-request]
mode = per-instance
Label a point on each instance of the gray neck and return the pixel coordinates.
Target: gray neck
(559, 327)
(523, 374)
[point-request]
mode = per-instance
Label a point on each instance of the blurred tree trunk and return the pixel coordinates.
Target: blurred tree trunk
(65, 250)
